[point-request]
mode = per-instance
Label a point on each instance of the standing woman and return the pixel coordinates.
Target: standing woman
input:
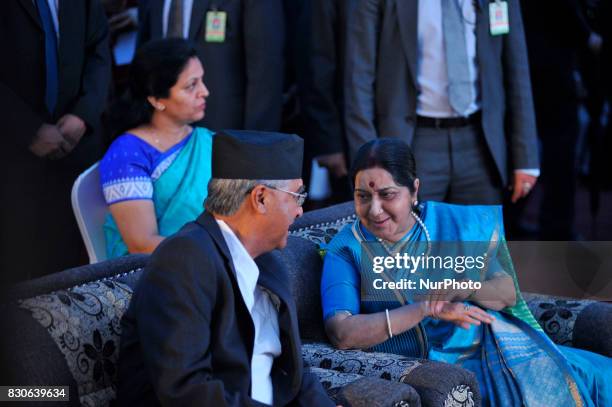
(155, 174)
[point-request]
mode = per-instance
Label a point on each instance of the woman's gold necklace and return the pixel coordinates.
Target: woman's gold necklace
(158, 140)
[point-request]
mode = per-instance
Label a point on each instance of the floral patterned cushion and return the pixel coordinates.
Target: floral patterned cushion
(84, 323)
(383, 365)
(333, 380)
(557, 316)
(323, 233)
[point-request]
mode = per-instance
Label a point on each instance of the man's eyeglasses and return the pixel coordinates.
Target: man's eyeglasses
(300, 196)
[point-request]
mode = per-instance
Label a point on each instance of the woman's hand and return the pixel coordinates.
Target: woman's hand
(461, 314)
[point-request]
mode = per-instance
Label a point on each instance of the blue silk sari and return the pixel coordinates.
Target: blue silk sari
(513, 359)
(178, 193)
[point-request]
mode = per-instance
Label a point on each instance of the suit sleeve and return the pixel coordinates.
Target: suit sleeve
(360, 74)
(174, 309)
(96, 77)
(20, 126)
(321, 91)
(521, 124)
(144, 23)
(264, 41)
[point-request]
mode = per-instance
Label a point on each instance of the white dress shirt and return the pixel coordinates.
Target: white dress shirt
(265, 317)
(187, 7)
(432, 77)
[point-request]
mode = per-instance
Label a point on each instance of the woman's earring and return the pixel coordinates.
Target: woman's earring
(161, 108)
(415, 204)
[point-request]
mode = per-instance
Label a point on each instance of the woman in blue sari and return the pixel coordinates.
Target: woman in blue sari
(488, 330)
(155, 174)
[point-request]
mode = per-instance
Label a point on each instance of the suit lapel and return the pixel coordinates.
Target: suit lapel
(407, 21)
(63, 9)
(482, 36)
(198, 12)
(29, 6)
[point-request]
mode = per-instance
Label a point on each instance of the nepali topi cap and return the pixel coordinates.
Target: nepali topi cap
(256, 155)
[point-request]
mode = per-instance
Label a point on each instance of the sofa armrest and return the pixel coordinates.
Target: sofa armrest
(593, 329)
(436, 383)
(567, 321)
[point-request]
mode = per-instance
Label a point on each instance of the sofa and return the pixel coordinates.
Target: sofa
(64, 329)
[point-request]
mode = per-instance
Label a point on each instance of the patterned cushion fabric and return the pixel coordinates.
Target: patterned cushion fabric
(84, 323)
(556, 315)
(383, 365)
(438, 384)
(66, 329)
(321, 226)
(333, 380)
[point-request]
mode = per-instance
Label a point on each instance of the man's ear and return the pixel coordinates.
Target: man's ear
(257, 199)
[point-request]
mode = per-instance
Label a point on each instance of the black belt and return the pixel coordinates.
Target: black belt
(448, 122)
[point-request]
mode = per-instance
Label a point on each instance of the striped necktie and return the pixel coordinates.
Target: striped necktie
(459, 84)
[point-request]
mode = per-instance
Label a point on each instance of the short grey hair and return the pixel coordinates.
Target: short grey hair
(226, 195)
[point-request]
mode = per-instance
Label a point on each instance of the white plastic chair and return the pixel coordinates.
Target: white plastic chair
(90, 209)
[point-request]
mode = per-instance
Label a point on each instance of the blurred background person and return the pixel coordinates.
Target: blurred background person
(53, 88)
(438, 75)
(241, 44)
(553, 44)
(316, 34)
(155, 174)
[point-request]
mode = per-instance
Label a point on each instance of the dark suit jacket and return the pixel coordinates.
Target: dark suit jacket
(84, 70)
(323, 99)
(381, 73)
(245, 73)
(36, 214)
(553, 44)
(187, 337)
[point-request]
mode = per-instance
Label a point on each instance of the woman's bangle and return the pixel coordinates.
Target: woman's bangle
(388, 323)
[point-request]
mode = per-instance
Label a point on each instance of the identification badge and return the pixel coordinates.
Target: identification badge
(498, 16)
(215, 26)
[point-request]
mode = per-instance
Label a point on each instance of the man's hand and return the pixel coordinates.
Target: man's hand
(335, 163)
(72, 128)
(49, 142)
(123, 20)
(522, 185)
